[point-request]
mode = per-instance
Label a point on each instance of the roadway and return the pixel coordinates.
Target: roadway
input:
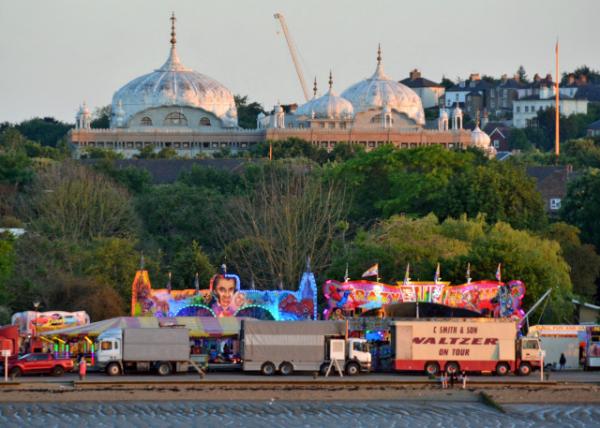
(374, 378)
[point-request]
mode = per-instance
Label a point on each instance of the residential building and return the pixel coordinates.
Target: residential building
(551, 182)
(525, 109)
(430, 92)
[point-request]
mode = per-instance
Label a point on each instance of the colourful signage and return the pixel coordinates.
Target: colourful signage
(225, 298)
(493, 298)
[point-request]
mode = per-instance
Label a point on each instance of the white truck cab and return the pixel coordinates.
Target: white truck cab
(109, 347)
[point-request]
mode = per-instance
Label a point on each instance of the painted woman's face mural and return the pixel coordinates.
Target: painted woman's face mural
(225, 298)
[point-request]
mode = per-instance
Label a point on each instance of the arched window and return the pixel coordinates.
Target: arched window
(205, 121)
(146, 121)
(176, 119)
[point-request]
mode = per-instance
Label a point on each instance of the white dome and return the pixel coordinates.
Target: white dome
(480, 139)
(175, 85)
(379, 90)
(329, 106)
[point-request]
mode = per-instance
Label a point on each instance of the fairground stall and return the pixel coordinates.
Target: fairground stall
(213, 341)
(369, 306)
(33, 324)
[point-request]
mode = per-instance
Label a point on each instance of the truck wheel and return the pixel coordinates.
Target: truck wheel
(58, 371)
(352, 369)
(268, 369)
(323, 369)
(113, 369)
(286, 368)
(432, 368)
(502, 369)
(164, 369)
(524, 369)
(15, 372)
(452, 367)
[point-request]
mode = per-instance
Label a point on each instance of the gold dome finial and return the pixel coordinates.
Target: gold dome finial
(173, 38)
(330, 80)
(315, 88)
(379, 54)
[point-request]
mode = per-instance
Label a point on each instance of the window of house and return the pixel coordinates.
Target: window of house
(526, 109)
(331, 125)
(518, 108)
(343, 125)
(555, 204)
(146, 121)
(205, 121)
(496, 144)
(176, 119)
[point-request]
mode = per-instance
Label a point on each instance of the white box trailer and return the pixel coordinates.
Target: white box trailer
(560, 339)
(288, 346)
(456, 344)
(164, 350)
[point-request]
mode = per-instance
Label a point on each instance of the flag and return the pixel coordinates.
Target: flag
(407, 274)
(499, 273)
(436, 277)
(346, 276)
(372, 271)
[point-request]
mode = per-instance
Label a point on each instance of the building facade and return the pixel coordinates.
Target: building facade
(174, 107)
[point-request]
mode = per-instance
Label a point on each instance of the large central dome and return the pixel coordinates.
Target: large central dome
(379, 91)
(173, 84)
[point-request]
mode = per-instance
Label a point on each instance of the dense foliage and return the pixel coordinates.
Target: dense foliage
(89, 223)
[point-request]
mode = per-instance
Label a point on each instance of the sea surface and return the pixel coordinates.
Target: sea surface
(290, 414)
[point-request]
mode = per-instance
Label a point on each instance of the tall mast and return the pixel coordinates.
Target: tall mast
(557, 109)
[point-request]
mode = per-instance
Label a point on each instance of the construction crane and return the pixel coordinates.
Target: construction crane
(292, 49)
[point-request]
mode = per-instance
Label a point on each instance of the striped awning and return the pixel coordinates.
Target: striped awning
(199, 326)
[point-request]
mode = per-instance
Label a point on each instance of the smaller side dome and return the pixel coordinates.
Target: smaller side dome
(329, 106)
(480, 139)
(443, 113)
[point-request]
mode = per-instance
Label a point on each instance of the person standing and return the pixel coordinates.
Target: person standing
(82, 368)
(464, 379)
(562, 361)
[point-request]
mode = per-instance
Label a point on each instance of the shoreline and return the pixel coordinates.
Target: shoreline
(572, 394)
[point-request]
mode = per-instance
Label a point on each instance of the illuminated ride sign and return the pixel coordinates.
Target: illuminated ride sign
(225, 298)
(499, 299)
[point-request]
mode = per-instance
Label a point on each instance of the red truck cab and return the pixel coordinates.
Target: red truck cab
(39, 363)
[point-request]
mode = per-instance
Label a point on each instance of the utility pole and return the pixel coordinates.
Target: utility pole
(557, 109)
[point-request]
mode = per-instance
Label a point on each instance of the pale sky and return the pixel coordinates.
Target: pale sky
(56, 54)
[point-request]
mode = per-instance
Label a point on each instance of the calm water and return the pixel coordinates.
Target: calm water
(288, 414)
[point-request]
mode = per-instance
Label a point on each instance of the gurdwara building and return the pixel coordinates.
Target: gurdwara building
(179, 108)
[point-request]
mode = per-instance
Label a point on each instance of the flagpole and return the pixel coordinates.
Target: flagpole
(557, 109)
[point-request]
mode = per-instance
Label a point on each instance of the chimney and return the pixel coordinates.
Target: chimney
(504, 78)
(415, 74)
(582, 80)
(536, 78)
(474, 76)
(571, 79)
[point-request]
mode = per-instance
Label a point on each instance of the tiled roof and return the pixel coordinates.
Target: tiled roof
(420, 82)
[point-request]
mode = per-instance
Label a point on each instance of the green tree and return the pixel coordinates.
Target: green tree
(101, 117)
(7, 261)
(582, 258)
(518, 140)
(247, 112)
(522, 74)
(291, 148)
(47, 131)
(136, 180)
(188, 261)
(581, 206)
(112, 262)
(72, 201)
(174, 215)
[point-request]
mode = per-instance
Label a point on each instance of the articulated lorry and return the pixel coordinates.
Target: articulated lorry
(162, 350)
(288, 346)
(470, 344)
